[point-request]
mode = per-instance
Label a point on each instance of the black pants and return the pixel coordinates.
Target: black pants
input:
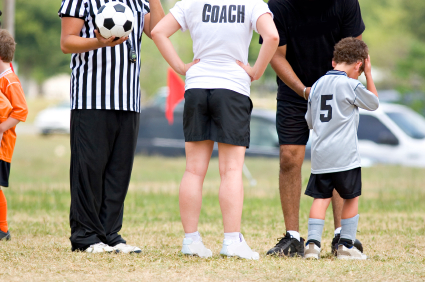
(103, 143)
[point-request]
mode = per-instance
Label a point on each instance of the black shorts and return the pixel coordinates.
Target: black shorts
(347, 183)
(4, 173)
(220, 115)
(291, 125)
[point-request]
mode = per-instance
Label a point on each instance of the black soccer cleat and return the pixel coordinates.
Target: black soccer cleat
(288, 246)
(5, 236)
(335, 241)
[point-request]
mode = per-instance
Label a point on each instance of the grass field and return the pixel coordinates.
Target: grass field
(391, 228)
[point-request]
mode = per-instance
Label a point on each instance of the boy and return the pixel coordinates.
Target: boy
(333, 116)
(13, 109)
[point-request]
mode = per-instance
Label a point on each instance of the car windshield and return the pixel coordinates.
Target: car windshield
(412, 124)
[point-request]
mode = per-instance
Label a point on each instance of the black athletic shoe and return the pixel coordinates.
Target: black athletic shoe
(288, 246)
(5, 236)
(335, 241)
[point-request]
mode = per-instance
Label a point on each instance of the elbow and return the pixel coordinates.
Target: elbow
(64, 49)
(154, 34)
(273, 39)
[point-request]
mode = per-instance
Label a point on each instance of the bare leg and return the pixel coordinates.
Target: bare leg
(198, 156)
(351, 208)
(231, 159)
(319, 207)
(337, 204)
(291, 160)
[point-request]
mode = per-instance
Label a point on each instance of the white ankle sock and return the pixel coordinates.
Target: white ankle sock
(294, 234)
(234, 236)
(195, 236)
(337, 231)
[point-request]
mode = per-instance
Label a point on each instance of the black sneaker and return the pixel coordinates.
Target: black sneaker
(335, 241)
(5, 236)
(288, 246)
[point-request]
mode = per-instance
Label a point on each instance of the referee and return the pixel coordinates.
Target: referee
(308, 31)
(105, 107)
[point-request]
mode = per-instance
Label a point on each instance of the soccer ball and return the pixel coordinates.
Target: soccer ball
(114, 19)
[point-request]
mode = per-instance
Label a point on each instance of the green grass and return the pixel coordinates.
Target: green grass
(392, 224)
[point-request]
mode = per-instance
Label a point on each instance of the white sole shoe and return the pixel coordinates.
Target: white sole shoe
(127, 249)
(191, 248)
(312, 251)
(100, 248)
(350, 253)
(238, 249)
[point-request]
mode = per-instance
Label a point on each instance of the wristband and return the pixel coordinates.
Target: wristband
(304, 93)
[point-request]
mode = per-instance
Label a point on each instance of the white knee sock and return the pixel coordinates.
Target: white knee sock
(195, 236)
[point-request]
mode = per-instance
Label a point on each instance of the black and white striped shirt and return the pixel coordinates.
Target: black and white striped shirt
(105, 78)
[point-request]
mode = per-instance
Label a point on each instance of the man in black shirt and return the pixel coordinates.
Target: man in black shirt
(308, 30)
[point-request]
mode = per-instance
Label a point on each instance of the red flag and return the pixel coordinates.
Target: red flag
(175, 94)
(12, 67)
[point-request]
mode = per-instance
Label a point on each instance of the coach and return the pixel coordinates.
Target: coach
(105, 103)
(308, 30)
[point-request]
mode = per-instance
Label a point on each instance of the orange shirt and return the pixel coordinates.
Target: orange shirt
(12, 104)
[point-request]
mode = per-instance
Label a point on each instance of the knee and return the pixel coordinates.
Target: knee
(290, 160)
(199, 171)
(229, 171)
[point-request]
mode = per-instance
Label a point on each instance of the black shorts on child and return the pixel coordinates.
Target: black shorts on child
(219, 115)
(4, 173)
(347, 183)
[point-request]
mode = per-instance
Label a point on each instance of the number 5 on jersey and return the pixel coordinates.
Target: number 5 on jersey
(325, 107)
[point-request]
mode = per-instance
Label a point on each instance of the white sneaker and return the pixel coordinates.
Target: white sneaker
(238, 249)
(195, 248)
(127, 249)
(312, 251)
(100, 248)
(350, 253)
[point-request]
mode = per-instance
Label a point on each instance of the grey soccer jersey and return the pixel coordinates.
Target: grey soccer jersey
(333, 116)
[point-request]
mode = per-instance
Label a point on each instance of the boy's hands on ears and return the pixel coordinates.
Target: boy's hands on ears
(367, 66)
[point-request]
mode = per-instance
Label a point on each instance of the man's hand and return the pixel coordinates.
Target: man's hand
(307, 93)
(1, 138)
(367, 66)
(248, 69)
(110, 41)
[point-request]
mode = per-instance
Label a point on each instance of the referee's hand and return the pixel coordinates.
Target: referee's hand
(110, 41)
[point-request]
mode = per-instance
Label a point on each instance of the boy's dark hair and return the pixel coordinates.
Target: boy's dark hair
(351, 50)
(7, 46)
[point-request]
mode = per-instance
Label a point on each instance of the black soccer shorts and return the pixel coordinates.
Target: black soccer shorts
(291, 125)
(220, 115)
(347, 183)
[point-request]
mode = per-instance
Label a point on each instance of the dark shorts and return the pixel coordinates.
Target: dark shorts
(291, 125)
(347, 183)
(4, 173)
(220, 115)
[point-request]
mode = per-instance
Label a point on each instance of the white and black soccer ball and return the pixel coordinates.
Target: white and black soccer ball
(114, 19)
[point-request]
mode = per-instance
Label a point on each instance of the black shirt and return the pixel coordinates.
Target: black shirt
(310, 29)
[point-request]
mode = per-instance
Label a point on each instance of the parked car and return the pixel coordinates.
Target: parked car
(54, 119)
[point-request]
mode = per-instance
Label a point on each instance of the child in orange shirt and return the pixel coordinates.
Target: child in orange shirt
(13, 109)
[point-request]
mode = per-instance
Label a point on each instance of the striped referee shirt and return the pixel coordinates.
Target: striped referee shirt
(105, 78)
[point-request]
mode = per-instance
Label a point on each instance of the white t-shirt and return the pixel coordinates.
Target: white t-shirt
(333, 116)
(221, 31)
